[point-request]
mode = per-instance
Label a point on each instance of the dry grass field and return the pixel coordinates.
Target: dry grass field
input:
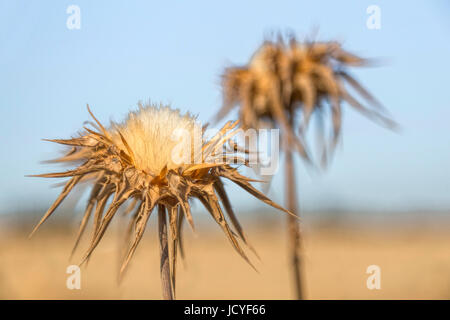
(414, 262)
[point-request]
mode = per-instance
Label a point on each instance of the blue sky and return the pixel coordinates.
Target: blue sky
(174, 51)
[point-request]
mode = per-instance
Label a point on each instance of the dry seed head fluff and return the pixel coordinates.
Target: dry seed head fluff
(131, 162)
(283, 77)
(149, 133)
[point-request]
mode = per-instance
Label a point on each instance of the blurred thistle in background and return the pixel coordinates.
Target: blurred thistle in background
(283, 77)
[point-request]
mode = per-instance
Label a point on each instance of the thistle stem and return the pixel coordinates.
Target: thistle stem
(294, 236)
(167, 291)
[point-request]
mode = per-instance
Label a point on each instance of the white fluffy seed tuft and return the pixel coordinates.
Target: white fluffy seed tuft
(152, 133)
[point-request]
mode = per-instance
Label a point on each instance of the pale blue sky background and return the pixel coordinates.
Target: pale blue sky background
(174, 52)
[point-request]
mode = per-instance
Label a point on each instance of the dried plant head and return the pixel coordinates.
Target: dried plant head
(256, 89)
(284, 76)
(134, 160)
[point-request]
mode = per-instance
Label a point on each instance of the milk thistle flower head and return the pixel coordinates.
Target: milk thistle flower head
(137, 160)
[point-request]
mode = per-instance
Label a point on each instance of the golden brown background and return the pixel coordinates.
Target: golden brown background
(414, 260)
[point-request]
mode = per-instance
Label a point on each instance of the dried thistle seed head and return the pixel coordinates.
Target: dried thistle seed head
(282, 77)
(155, 127)
(134, 160)
(253, 87)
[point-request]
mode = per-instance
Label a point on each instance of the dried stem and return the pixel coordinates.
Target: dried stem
(167, 290)
(293, 226)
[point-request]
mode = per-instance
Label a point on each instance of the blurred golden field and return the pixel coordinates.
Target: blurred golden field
(414, 259)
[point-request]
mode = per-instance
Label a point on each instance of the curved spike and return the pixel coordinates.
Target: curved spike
(181, 190)
(219, 187)
(373, 115)
(127, 146)
(84, 169)
(361, 90)
(87, 213)
(123, 196)
(349, 58)
(77, 142)
(304, 85)
(106, 193)
(69, 173)
(211, 203)
(141, 222)
(233, 175)
(131, 206)
(68, 187)
(336, 114)
(105, 132)
(129, 229)
(281, 118)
